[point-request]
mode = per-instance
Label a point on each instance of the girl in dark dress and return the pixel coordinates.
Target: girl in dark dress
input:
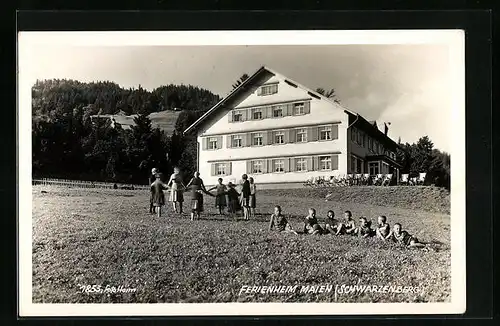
(233, 200)
(197, 190)
(158, 197)
(245, 197)
(220, 197)
(152, 178)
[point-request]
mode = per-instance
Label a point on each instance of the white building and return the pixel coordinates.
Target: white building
(280, 132)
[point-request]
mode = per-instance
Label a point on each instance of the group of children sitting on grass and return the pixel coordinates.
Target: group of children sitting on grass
(364, 229)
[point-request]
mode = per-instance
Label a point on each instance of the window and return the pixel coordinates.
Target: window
(257, 114)
(279, 166)
(353, 163)
(279, 137)
(359, 138)
(353, 134)
(237, 141)
(325, 133)
(257, 139)
(301, 164)
(277, 111)
(220, 169)
(257, 166)
(212, 143)
(325, 162)
(301, 135)
(237, 116)
(268, 89)
(298, 109)
(373, 168)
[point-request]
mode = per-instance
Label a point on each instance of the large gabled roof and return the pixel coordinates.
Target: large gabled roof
(264, 69)
(244, 85)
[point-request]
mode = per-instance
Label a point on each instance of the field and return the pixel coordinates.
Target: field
(165, 120)
(107, 238)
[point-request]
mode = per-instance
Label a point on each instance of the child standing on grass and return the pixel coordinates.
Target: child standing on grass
(383, 230)
(349, 226)
(331, 223)
(158, 197)
(365, 228)
(245, 197)
(220, 197)
(311, 225)
(233, 199)
(152, 178)
(253, 190)
(279, 223)
(404, 238)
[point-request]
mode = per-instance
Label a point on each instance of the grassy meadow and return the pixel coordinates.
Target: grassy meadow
(107, 237)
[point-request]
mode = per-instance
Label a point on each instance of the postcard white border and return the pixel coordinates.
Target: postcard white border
(454, 39)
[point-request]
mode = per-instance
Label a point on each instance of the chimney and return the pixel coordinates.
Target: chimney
(386, 128)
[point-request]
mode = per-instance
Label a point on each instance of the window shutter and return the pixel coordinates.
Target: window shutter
(219, 142)
(307, 107)
(335, 131)
(310, 134)
(264, 166)
(243, 140)
(286, 136)
(290, 107)
(270, 136)
(310, 166)
(264, 138)
(292, 135)
(292, 164)
(244, 115)
(259, 91)
(287, 164)
(229, 168)
(229, 141)
(230, 116)
(335, 162)
(270, 167)
(268, 111)
(249, 166)
(316, 166)
(315, 131)
(212, 169)
(249, 139)
(204, 143)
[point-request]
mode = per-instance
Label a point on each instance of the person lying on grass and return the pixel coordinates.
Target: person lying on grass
(365, 228)
(349, 226)
(383, 230)
(158, 197)
(404, 238)
(311, 225)
(279, 223)
(220, 197)
(331, 223)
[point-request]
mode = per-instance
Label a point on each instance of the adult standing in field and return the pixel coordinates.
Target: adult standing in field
(176, 190)
(197, 190)
(152, 178)
(245, 196)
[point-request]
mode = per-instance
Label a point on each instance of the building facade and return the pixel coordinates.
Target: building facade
(279, 132)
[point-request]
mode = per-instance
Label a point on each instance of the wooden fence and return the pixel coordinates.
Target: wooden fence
(86, 184)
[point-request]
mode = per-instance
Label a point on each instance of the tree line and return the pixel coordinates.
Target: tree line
(67, 143)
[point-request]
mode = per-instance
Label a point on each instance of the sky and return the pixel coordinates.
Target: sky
(408, 85)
